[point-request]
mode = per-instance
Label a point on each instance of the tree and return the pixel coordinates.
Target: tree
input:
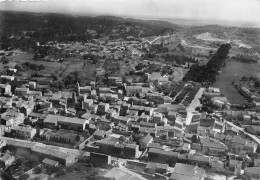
(257, 83)
(4, 60)
(139, 66)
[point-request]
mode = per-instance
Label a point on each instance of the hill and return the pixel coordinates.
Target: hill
(32, 27)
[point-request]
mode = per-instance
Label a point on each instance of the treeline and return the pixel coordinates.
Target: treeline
(181, 60)
(208, 73)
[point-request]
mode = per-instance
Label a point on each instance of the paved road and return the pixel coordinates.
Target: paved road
(195, 102)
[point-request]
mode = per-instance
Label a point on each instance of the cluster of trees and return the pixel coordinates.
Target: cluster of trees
(33, 66)
(69, 80)
(208, 73)
(244, 59)
(29, 28)
(167, 70)
(91, 57)
(158, 48)
(4, 60)
(153, 68)
(255, 80)
(181, 60)
(167, 88)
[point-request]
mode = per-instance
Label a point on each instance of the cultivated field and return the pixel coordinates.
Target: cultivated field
(234, 71)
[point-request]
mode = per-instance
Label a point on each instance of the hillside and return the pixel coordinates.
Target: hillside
(40, 27)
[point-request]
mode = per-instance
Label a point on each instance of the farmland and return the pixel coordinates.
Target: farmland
(234, 71)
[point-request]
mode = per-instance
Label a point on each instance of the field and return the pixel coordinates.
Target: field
(234, 71)
(62, 69)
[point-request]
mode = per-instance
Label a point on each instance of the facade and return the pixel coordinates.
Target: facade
(121, 119)
(5, 89)
(145, 141)
(23, 132)
(50, 163)
(102, 108)
(12, 118)
(48, 152)
(51, 121)
(100, 159)
(161, 156)
(153, 168)
(21, 91)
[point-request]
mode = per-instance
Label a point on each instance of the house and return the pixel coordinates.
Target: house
(185, 171)
(131, 151)
(32, 85)
(104, 124)
(233, 164)
(144, 118)
(121, 119)
(86, 104)
(216, 163)
(124, 109)
(12, 118)
(214, 148)
(253, 129)
(60, 136)
(179, 123)
(23, 132)
(50, 163)
(6, 160)
(209, 124)
(5, 89)
(237, 144)
(144, 141)
(122, 127)
(198, 159)
(257, 162)
(162, 156)
(250, 147)
(100, 134)
(157, 117)
(51, 121)
(134, 90)
(6, 79)
(21, 91)
(252, 172)
(62, 157)
(165, 108)
(106, 146)
(211, 92)
(104, 90)
(157, 98)
(115, 81)
(148, 130)
(153, 168)
(111, 113)
(83, 90)
(100, 159)
(172, 116)
(102, 108)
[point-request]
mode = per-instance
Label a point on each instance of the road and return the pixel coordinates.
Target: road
(195, 102)
(255, 138)
(157, 38)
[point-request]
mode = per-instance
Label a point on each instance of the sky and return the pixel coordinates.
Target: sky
(229, 10)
